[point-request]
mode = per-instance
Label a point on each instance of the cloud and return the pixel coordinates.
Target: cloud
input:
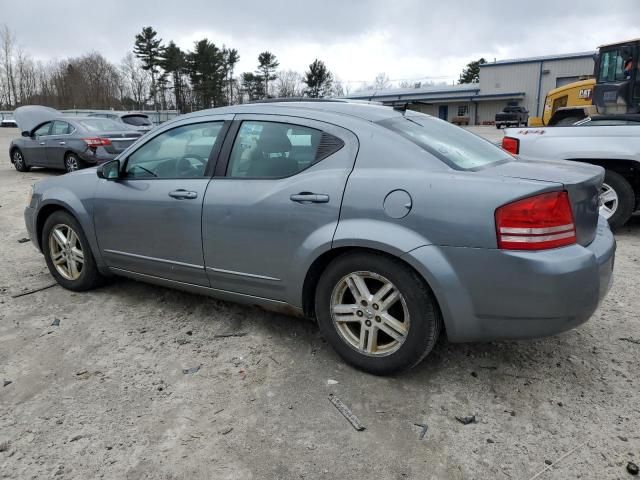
(407, 39)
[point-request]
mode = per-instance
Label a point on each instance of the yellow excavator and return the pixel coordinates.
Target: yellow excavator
(613, 89)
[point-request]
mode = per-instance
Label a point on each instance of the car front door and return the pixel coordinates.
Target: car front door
(275, 197)
(35, 146)
(56, 143)
(149, 221)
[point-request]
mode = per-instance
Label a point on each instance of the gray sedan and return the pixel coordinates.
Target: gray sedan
(388, 227)
(52, 140)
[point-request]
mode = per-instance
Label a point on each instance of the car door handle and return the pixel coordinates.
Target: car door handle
(308, 197)
(62, 143)
(43, 143)
(183, 194)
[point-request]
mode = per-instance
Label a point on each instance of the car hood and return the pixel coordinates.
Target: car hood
(30, 116)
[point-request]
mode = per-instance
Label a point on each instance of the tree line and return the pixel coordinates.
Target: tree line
(154, 75)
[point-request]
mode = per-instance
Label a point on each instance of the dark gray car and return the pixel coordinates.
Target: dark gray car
(387, 227)
(52, 140)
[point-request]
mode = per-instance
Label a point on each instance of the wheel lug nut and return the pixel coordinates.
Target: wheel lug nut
(375, 306)
(359, 313)
(378, 319)
(368, 323)
(364, 303)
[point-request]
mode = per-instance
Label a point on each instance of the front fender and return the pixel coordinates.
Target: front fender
(58, 197)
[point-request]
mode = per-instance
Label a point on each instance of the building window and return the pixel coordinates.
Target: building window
(463, 110)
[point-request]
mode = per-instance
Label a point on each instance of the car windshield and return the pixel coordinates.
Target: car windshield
(137, 120)
(453, 145)
(100, 124)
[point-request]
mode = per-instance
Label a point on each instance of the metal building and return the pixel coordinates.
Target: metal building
(524, 81)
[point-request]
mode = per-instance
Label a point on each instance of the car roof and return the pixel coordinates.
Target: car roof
(369, 111)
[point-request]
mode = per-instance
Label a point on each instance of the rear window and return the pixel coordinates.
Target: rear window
(137, 120)
(100, 125)
(453, 145)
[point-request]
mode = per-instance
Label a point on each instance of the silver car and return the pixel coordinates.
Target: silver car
(135, 120)
(50, 139)
(388, 227)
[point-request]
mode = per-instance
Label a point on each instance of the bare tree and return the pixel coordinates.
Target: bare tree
(381, 81)
(137, 79)
(289, 84)
(7, 41)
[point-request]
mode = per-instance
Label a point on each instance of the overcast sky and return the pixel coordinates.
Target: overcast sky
(407, 39)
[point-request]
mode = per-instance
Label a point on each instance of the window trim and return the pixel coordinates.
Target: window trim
(214, 155)
(48, 134)
(73, 129)
(222, 167)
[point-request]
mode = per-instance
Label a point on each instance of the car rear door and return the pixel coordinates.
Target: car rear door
(274, 199)
(149, 221)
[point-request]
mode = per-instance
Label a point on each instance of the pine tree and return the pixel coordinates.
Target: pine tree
(318, 79)
(175, 64)
(231, 59)
(207, 72)
(471, 74)
(148, 49)
(267, 65)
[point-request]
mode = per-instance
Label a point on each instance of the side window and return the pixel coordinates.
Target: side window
(42, 129)
(60, 128)
(182, 152)
(277, 150)
(614, 66)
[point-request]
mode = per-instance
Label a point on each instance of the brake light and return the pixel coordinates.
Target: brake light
(97, 142)
(536, 223)
(511, 145)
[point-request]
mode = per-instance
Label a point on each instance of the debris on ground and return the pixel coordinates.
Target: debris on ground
(29, 292)
(348, 414)
(76, 438)
(4, 446)
(226, 430)
(553, 464)
(230, 334)
(467, 420)
(23, 240)
(474, 374)
(7, 382)
(56, 322)
(632, 468)
(187, 371)
(423, 432)
(218, 411)
(332, 382)
(82, 372)
(630, 340)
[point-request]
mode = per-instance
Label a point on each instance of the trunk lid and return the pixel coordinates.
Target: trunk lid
(120, 140)
(580, 180)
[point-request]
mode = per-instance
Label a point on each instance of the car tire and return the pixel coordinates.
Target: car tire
(398, 335)
(498, 126)
(72, 162)
(620, 193)
(68, 253)
(19, 161)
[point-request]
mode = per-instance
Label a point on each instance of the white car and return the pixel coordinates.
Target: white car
(612, 142)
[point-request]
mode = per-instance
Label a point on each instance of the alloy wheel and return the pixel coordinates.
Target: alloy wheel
(18, 161)
(608, 201)
(71, 163)
(66, 251)
(369, 313)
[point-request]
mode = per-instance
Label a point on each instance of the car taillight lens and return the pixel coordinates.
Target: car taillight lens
(536, 223)
(97, 142)
(511, 145)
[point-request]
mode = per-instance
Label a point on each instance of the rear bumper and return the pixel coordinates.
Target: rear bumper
(490, 294)
(100, 156)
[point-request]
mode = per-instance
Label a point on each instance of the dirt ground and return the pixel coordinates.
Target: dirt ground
(103, 394)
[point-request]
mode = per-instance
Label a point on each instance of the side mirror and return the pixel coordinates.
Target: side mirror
(26, 134)
(109, 170)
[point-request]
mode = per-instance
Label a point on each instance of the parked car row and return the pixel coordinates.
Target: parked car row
(388, 227)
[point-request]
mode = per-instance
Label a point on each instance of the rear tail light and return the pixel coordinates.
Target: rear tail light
(511, 145)
(536, 223)
(97, 142)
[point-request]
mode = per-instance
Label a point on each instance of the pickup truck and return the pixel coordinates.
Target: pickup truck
(612, 142)
(512, 115)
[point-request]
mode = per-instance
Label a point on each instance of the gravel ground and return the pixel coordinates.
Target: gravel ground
(103, 393)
